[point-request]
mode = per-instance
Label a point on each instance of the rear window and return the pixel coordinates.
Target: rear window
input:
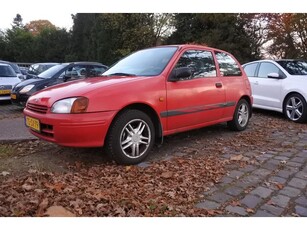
(294, 67)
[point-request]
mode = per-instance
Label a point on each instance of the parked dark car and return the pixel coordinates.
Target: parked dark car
(53, 76)
(38, 68)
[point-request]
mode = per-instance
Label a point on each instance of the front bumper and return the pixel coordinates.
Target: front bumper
(19, 99)
(73, 130)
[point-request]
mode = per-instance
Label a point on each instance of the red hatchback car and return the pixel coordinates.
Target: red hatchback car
(147, 95)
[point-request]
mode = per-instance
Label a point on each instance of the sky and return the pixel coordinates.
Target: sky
(58, 12)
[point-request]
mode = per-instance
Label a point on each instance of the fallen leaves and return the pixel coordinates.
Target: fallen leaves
(165, 188)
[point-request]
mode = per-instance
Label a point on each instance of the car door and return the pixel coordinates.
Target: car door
(267, 91)
(232, 79)
(197, 99)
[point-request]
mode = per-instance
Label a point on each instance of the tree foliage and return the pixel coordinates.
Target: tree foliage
(223, 31)
(37, 26)
(288, 35)
(108, 37)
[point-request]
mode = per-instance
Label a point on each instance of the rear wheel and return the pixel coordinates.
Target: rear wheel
(295, 108)
(241, 116)
(131, 137)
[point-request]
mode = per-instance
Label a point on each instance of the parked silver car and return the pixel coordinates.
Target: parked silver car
(8, 78)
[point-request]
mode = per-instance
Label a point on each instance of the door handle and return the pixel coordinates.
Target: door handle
(218, 85)
(256, 83)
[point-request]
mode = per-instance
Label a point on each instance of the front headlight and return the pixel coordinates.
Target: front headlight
(70, 105)
(26, 89)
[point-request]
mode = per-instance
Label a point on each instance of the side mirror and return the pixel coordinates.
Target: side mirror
(180, 73)
(274, 75)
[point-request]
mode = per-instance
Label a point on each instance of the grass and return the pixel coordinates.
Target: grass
(6, 150)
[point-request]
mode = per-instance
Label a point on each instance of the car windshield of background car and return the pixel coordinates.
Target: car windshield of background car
(294, 67)
(149, 62)
(49, 73)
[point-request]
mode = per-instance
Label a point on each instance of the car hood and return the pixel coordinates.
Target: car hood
(79, 88)
(31, 81)
(9, 80)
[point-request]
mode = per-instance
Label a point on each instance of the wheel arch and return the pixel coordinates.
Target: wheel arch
(150, 112)
(286, 96)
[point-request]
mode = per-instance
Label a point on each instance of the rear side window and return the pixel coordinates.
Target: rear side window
(200, 62)
(228, 66)
(250, 70)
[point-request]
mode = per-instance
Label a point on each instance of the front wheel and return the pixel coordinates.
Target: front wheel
(241, 116)
(131, 137)
(295, 108)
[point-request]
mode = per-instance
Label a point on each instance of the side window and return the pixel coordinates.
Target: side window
(200, 62)
(96, 71)
(75, 72)
(266, 68)
(250, 70)
(228, 66)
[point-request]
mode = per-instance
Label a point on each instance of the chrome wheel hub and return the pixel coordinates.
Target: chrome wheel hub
(243, 115)
(294, 108)
(135, 138)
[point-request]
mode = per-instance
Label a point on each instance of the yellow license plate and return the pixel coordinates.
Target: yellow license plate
(33, 123)
(5, 91)
(13, 96)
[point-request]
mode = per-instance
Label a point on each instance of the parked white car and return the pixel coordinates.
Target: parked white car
(8, 78)
(280, 85)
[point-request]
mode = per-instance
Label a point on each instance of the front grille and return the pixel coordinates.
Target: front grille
(37, 108)
(3, 87)
(47, 130)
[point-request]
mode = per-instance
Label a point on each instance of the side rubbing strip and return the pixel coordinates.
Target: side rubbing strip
(171, 113)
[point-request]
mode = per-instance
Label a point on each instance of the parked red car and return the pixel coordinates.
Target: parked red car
(147, 95)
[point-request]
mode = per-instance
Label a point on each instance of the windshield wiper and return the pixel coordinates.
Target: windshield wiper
(121, 74)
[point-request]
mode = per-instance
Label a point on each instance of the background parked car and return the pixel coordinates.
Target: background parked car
(280, 85)
(16, 69)
(143, 97)
(8, 79)
(55, 75)
(38, 68)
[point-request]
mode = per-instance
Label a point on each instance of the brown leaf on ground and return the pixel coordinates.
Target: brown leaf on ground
(166, 175)
(279, 186)
(58, 211)
(249, 210)
(236, 157)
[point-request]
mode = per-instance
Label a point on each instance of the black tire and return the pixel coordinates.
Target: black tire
(295, 108)
(241, 116)
(130, 138)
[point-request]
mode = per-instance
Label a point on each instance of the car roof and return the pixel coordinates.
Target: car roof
(271, 60)
(4, 64)
(195, 46)
(46, 63)
(85, 63)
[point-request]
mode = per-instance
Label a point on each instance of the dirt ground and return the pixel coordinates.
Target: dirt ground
(37, 176)
(20, 157)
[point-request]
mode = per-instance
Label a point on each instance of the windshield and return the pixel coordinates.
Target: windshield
(294, 67)
(149, 62)
(7, 71)
(49, 73)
